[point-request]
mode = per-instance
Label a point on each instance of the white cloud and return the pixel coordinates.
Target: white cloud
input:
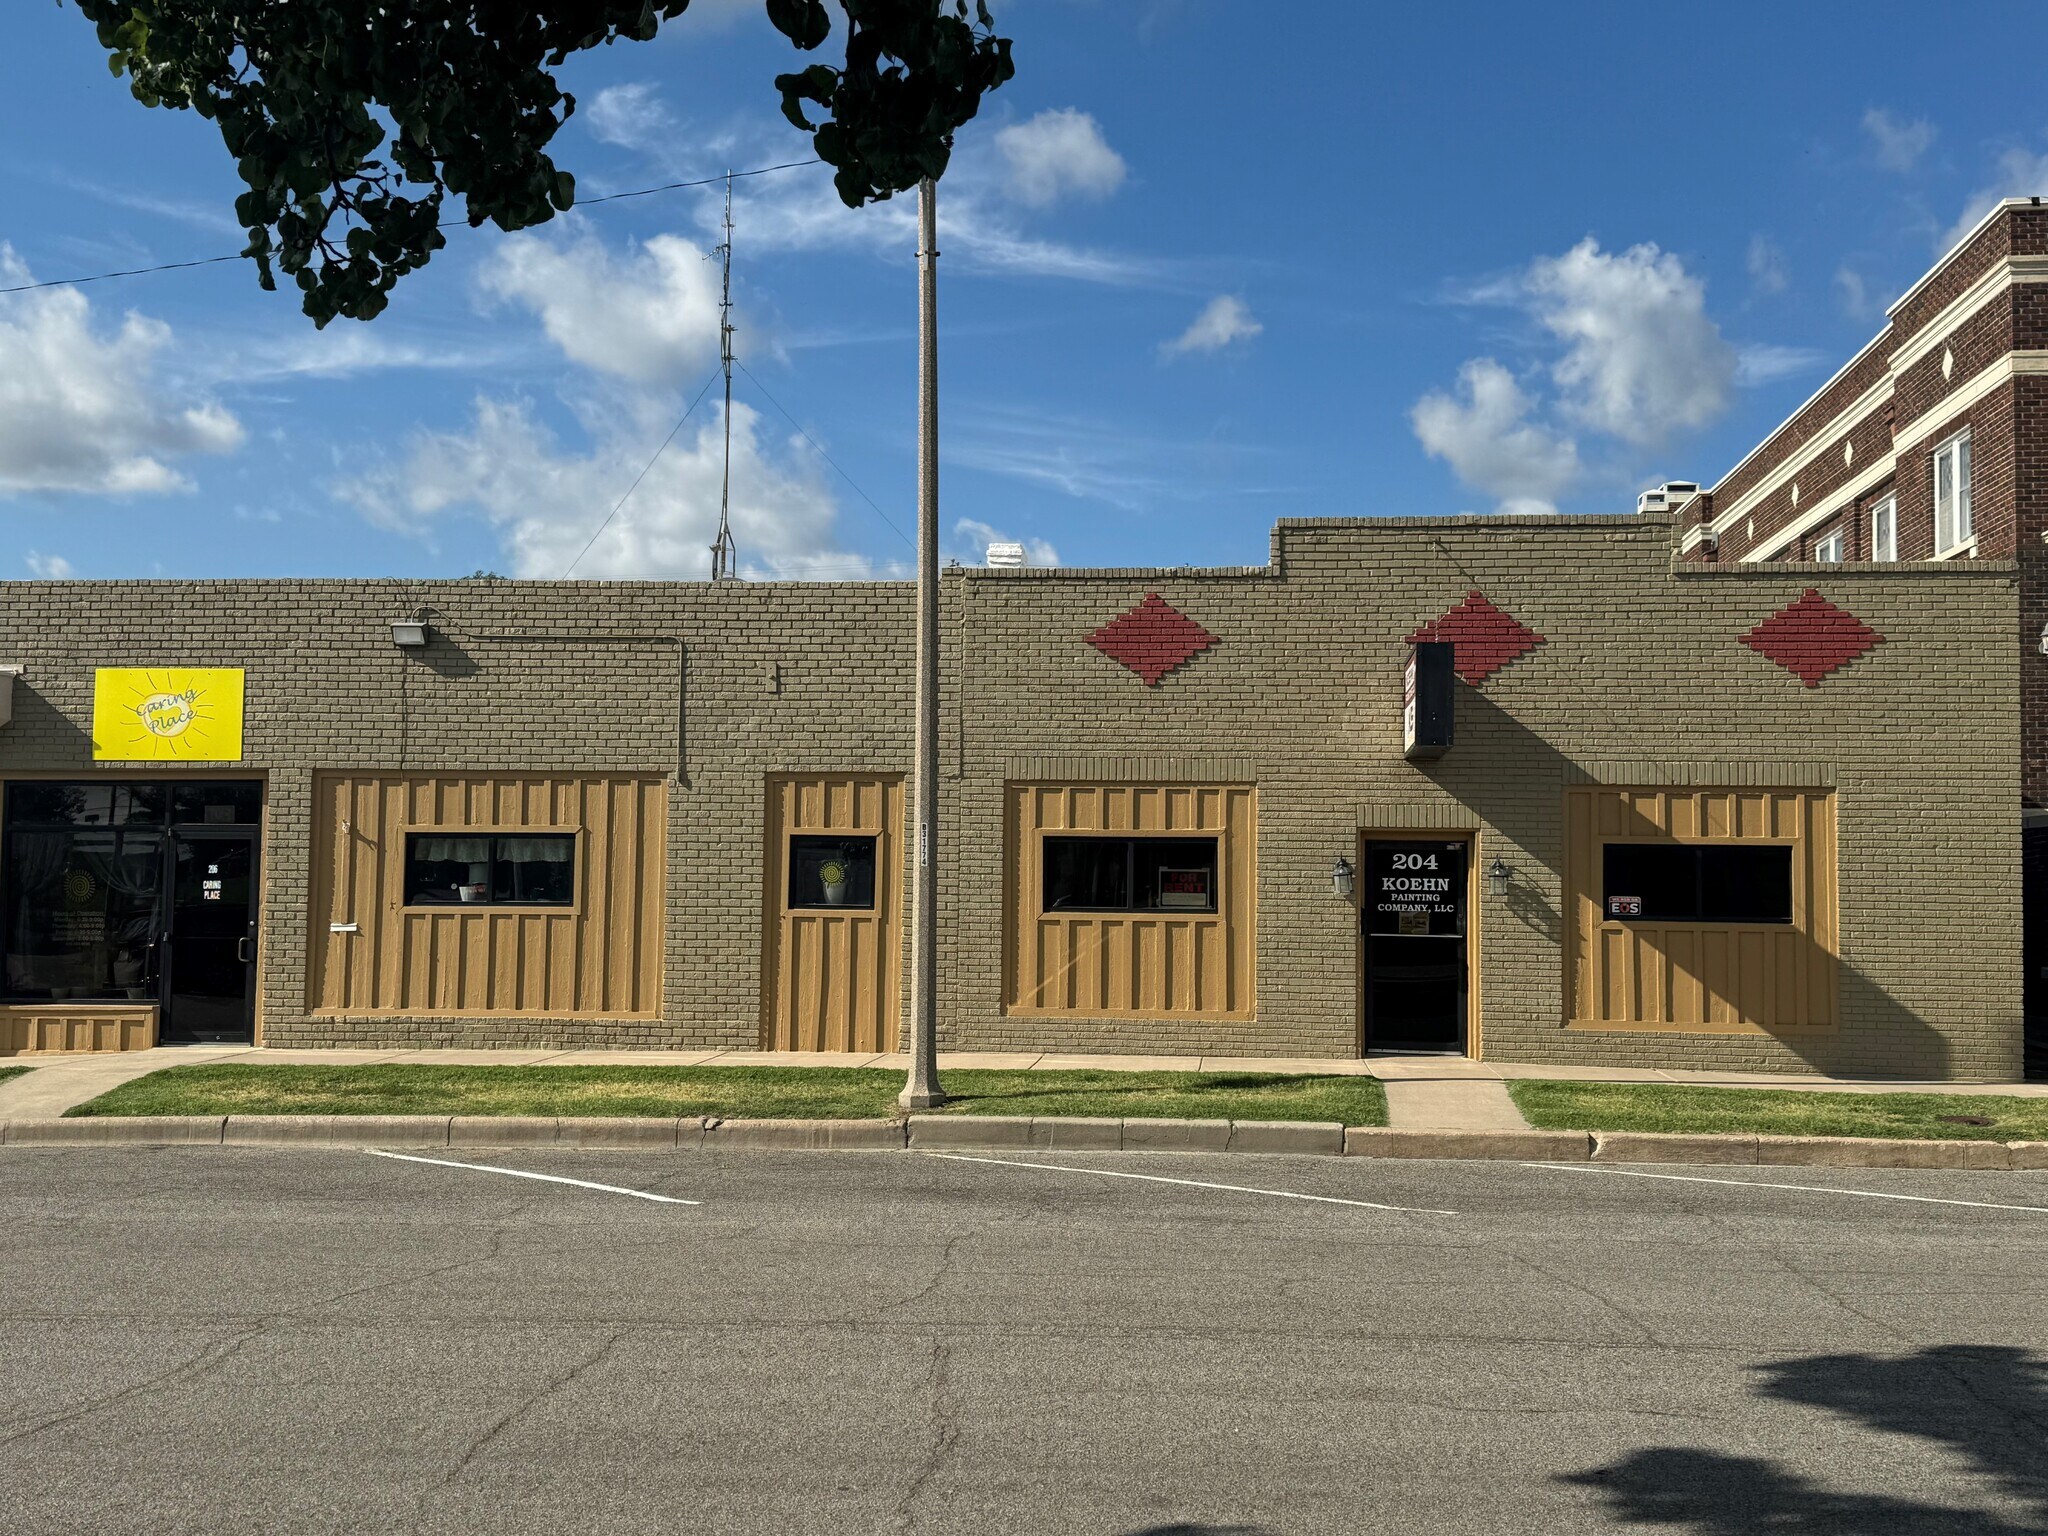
(980, 228)
(1485, 435)
(49, 567)
(650, 316)
(974, 538)
(631, 115)
(545, 502)
(2020, 173)
(1899, 141)
(82, 408)
(1091, 458)
(1223, 320)
(1855, 295)
(215, 218)
(1764, 363)
(1058, 152)
(1768, 272)
(334, 353)
(1642, 360)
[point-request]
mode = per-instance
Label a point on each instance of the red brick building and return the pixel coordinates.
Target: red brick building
(1930, 444)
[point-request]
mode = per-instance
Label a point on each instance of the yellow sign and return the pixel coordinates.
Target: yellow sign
(167, 714)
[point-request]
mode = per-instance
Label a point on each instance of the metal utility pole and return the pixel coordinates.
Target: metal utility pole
(723, 550)
(921, 1090)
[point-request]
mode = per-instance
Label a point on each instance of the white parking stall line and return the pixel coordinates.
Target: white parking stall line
(1806, 1189)
(1157, 1178)
(545, 1178)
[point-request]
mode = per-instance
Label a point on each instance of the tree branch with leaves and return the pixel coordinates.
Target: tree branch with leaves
(352, 122)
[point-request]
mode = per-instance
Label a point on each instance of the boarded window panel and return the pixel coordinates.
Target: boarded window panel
(459, 960)
(1738, 974)
(1131, 964)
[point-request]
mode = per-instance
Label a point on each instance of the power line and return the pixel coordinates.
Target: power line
(101, 277)
(864, 496)
(649, 465)
(591, 202)
(708, 181)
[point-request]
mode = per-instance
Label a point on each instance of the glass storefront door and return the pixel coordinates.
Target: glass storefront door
(209, 980)
(93, 878)
(1413, 914)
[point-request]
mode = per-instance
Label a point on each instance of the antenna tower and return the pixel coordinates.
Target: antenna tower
(724, 553)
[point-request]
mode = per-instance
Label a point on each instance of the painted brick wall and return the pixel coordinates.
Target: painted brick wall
(1641, 679)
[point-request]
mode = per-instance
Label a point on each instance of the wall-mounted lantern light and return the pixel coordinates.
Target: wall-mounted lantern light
(1343, 878)
(409, 634)
(1497, 874)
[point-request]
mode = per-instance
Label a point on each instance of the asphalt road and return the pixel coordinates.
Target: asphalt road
(281, 1341)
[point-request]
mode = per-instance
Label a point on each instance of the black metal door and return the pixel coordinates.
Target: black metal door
(209, 966)
(1413, 916)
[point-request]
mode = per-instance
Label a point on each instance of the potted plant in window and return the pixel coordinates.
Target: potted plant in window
(832, 876)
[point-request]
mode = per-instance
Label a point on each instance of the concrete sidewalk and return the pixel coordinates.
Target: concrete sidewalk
(1423, 1092)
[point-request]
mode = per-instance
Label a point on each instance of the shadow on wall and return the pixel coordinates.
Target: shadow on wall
(42, 736)
(1489, 736)
(1988, 1405)
(445, 657)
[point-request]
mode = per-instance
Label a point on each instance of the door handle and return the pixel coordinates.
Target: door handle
(245, 950)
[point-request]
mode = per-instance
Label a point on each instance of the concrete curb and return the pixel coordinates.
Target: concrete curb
(1532, 1146)
(1018, 1133)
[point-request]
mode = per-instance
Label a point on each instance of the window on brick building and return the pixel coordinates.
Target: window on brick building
(534, 869)
(1130, 874)
(1884, 529)
(1697, 882)
(1952, 528)
(1829, 550)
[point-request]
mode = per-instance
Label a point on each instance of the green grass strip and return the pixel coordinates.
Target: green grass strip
(7, 1072)
(801, 1093)
(1779, 1111)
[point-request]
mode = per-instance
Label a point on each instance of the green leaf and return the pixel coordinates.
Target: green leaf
(804, 22)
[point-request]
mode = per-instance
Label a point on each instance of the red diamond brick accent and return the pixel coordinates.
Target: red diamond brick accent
(1152, 639)
(1812, 637)
(1485, 638)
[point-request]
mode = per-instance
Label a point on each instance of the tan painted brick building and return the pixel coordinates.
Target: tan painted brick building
(672, 815)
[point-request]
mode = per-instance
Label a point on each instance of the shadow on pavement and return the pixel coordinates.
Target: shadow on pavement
(1988, 1404)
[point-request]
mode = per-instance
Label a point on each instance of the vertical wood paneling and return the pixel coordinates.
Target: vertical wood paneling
(600, 957)
(1718, 977)
(831, 977)
(1131, 965)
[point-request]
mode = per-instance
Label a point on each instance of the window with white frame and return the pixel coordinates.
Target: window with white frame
(1829, 550)
(1884, 529)
(1952, 495)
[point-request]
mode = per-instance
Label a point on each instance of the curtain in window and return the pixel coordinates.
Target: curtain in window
(536, 850)
(451, 850)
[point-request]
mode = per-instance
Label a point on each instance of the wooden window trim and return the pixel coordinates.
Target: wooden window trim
(1820, 904)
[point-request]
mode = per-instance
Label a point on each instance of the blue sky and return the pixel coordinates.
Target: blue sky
(1198, 272)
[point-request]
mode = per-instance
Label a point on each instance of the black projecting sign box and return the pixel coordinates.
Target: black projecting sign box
(1427, 696)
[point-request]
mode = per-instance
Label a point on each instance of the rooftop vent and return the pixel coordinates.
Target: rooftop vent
(1668, 497)
(1004, 555)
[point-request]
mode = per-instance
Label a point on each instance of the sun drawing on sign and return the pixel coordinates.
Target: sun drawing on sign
(158, 715)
